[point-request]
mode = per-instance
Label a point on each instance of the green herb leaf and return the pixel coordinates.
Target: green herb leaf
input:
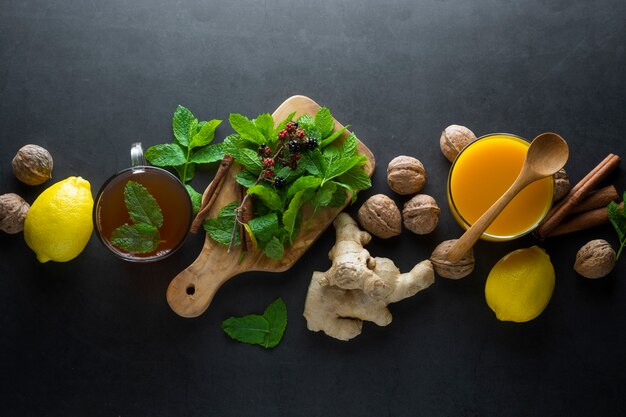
(617, 216)
(208, 154)
(141, 205)
(165, 155)
(265, 124)
(276, 316)
(314, 163)
(274, 249)
(268, 195)
(290, 174)
(245, 178)
(232, 145)
(252, 329)
(186, 170)
(196, 198)
(356, 179)
(327, 141)
(283, 123)
(339, 197)
(303, 183)
(250, 160)
(221, 230)
(136, 238)
(181, 122)
(341, 166)
(324, 195)
(290, 217)
(348, 147)
(324, 122)
(205, 135)
(264, 227)
(228, 211)
(246, 128)
(306, 121)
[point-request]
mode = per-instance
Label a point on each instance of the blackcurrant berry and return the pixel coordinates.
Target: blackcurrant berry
(311, 143)
(294, 146)
(262, 148)
(279, 182)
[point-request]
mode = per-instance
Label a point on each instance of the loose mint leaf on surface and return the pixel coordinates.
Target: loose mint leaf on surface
(141, 205)
(330, 139)
(324, 122)
(290, 218)
(196, 198)
(208, 154)
(265, 124)
(274, 249)
(181, 123)
(268, 195)
(205, 135)
(303, 183)
(250, 160)
(187, 171)
(356, 179)
(165, 155)
(276, 316)
(245, 178)
(252, 329)
(264, 227)
(283, 123)
(193, 129)
(136, 238)
(246, 128)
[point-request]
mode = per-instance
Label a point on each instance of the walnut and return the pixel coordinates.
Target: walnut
(595, 259)
(455, 138)
(561, 185)
(32, 165)
(380, 216)
(445, 268)
(406, 175)
(13, 211)
(421, 214)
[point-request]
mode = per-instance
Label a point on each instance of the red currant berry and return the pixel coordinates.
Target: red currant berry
(300, 134)
(267, 151)
(290, 127)
(268, 162)
(283, 134)
(268, 173)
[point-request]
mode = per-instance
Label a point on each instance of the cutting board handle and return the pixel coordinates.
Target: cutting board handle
(190, 292)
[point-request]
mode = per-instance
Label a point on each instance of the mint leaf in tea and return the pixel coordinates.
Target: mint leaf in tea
(136, 238)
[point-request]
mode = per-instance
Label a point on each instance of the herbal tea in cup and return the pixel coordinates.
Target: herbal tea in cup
(482, 172)
(142, 213)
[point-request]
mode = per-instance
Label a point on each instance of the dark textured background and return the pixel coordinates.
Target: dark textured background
(96, 337)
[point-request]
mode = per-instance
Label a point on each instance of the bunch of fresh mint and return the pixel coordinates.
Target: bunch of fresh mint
(143, 235)
(323, 176)
(191, 146)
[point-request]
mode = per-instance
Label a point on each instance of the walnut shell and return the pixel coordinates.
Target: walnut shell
(380, 216)
(406, 175)
(421, 214)
(445, 268)
(561, 185)
(453, 139)
(595, 259)
(13, 210)
(32, 165)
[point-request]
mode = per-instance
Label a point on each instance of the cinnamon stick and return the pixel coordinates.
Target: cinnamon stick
(597, 199)
(582, 221)
(576, 195)
(246, 216)
(211, 193)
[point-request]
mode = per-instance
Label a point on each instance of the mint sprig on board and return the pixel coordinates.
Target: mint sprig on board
(287, 166)
(266, 330)
(191, 147)
(143, 235)
(617, 216)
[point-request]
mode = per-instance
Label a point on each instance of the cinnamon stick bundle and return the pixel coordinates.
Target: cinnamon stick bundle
(211, 193)
(583, 221)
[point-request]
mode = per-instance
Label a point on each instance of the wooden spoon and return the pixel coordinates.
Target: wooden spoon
(547, 154)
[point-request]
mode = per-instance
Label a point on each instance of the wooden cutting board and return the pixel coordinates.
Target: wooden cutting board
(190, 292)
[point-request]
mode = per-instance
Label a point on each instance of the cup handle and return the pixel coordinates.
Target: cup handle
(136, 155)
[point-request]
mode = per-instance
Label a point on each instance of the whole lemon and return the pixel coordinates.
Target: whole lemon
(58, 224)
(520, 285)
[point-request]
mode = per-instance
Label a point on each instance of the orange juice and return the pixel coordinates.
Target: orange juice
(482, 172)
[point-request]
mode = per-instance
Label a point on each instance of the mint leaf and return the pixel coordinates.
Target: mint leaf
(245, 178)
(193, 129)
(221, 230)
(314, 163)
(283, 123)
(290, 174)
(264, 227)
(246, 128)
(324, 195)
(327, 141)
(341, 166)
(324, 122)
(617, 216)
(276, 316)
(290, 218)
(205, 135)
(356, 179)
(196, 198)
(265, 124)
(268, 195)
(252, 329)
(141, 205)
(233, 144)
(136, 238)
(303, 183)
(169, 154)
(185, 171)
(208, 154)
(339, 197)
(250, 160)
(181, 122)
(274, 249)
(306, 121)
(348, 147)
(228, 211)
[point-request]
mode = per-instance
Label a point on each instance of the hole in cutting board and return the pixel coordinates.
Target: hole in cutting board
(191, 289)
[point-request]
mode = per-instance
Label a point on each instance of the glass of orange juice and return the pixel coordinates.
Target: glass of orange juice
(482, 172)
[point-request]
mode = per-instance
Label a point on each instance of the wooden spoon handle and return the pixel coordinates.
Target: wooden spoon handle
(190, 292)
(471, 236)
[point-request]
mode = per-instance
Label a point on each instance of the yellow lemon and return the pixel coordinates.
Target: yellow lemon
(520, 285)
(58, 224)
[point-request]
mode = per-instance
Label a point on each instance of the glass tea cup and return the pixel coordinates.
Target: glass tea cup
(111, 212)
(482, 172)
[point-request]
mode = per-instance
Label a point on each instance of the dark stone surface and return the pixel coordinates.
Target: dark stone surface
(96, 337)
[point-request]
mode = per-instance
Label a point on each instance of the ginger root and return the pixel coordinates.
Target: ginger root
(358, 287)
